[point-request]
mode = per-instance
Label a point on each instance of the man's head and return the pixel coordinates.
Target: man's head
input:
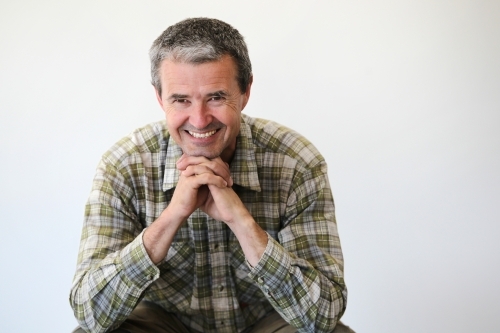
(202, 75)
(199, 40)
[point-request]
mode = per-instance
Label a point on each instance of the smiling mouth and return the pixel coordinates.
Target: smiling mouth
(202, 135)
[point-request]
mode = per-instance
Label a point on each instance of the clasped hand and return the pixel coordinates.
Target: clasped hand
(206, 184)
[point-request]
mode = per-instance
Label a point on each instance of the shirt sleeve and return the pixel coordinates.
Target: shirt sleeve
(113, 268)
(301, 273)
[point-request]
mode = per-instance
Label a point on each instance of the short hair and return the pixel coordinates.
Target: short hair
(200, 40)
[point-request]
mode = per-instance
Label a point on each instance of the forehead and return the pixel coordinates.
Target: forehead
(177, 73)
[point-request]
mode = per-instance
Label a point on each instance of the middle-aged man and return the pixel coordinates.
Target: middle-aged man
(212, 221)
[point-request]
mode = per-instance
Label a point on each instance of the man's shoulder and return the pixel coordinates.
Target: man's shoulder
(147, 139)
(270, 136)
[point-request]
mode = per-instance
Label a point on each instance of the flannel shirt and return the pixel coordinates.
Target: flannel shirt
(204, 279)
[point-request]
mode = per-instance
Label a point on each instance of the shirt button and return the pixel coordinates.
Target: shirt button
(216, 246)
(259, 280)
(221, 288)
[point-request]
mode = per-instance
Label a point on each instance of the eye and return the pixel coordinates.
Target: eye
(216, 98)
(181, 100)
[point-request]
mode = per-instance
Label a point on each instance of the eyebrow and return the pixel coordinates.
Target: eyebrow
(177, 96)
(220, 93)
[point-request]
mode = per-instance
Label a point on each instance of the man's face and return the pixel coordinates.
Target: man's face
(203, 104)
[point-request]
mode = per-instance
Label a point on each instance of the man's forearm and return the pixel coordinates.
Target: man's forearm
(307, 298)
(191, 191)
(252, 238)
(106, 290)
(159, 236)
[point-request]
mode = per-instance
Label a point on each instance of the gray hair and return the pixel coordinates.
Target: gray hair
(200, 40)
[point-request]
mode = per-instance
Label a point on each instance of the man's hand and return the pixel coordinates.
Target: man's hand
(197, 175)
(221, 202)
(205, 184)
(191, 192)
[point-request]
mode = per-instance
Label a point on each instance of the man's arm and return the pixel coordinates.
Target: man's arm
(223, 204)
(117, 259)
(113, 267)
(302, 275)
(190, 193)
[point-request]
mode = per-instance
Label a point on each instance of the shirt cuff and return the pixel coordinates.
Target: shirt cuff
(137, 265)
(273, 267)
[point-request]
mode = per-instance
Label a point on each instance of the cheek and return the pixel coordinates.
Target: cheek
(173, 128)
(235, 126)
(174, 119)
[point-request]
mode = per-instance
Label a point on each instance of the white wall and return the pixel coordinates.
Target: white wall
(402, 98)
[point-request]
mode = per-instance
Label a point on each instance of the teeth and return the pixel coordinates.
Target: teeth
(202, 135)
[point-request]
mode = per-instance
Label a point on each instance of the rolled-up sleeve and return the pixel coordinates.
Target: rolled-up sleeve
(301, 272)
(113, 268)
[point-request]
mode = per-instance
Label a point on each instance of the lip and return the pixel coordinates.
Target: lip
(202, 135)
(202, 138)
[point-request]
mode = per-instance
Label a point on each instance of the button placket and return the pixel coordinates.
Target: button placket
(221, 300)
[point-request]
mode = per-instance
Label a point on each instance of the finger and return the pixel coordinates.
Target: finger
(186, 160)
(192, 170)
(198, 175)
(216, 165)
(198, 180)
(221, 169)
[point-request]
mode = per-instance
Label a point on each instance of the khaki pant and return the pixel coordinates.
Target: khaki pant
(150, 318)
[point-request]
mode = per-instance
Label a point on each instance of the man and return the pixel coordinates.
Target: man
(212, 221)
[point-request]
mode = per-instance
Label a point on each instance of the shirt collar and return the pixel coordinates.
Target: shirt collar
(243, 166)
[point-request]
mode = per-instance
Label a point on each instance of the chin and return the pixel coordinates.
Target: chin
(199, 153)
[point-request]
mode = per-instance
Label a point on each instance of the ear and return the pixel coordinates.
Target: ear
(247, 93)
(158, 98)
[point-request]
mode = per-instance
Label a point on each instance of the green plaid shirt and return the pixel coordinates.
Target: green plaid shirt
(282, 180)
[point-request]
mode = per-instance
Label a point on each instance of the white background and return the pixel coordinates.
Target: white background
(401, 97)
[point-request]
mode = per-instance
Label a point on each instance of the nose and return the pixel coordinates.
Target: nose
(200, 116)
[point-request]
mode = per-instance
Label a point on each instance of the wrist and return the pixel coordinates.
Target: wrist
(252, 238)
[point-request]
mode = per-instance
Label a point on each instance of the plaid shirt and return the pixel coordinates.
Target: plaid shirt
(282, 180)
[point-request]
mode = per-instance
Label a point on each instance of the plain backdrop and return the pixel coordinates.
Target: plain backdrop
(401, 97)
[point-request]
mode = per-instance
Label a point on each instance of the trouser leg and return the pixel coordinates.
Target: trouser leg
(274, 323)
(341, 328)
(148, 318)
